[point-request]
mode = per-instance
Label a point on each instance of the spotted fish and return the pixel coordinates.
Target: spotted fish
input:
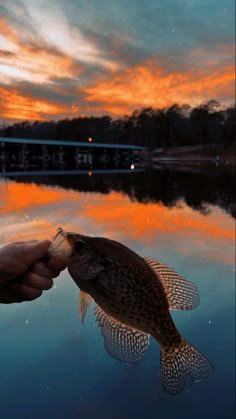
(133, 296)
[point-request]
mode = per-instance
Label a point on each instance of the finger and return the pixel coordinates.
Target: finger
(36, 281)
(27, 292)
(42, 269)
(56, 263)
(33, 252)
(26, 241)
(8, 295)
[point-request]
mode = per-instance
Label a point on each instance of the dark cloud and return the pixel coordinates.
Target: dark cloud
(6, 54)
(64, 94)
(170, 26)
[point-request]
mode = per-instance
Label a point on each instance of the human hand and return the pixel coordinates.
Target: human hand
(26, 270)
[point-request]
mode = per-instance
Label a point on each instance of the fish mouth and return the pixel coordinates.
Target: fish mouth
(58, 239)
(61, 244)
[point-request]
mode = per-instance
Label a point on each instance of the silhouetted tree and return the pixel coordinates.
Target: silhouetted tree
(178, 125)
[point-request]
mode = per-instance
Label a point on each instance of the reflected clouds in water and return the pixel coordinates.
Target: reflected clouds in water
(30, 210)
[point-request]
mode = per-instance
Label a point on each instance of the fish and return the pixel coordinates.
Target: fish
(134, 296)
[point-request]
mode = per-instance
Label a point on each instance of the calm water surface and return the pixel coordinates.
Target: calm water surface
(51, 365)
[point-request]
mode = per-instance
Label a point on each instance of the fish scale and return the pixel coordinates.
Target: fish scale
(150, 297)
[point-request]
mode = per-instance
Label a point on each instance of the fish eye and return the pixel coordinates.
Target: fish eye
(79, 245)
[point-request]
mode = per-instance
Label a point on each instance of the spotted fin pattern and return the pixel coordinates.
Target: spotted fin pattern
(84, 303)
(181, 294)
(178, 363)
(121, 342)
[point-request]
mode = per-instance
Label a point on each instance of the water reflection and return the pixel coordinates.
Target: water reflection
(29, 209)
(51, 364)
(168, 186)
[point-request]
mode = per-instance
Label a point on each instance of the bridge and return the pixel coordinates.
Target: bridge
(70, 143)
(84, 172)
(45, 154)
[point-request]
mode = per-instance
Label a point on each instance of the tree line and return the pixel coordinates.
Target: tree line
(177, 125)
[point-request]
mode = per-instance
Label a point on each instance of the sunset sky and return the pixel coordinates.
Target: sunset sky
(77, 57)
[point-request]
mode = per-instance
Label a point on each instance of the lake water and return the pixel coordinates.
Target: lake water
(52, 366)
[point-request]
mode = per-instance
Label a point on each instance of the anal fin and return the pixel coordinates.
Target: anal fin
(121, 341)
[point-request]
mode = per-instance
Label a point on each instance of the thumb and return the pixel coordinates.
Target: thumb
(34, 251)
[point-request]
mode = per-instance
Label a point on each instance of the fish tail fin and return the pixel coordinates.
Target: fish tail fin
(180, 361)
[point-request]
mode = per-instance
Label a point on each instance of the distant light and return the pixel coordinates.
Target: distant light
(90, 173)
(90, 140)
(132, 167)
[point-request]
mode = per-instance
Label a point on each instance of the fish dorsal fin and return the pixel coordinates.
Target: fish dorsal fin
(181, 294)
(84, 303)
(121, 341)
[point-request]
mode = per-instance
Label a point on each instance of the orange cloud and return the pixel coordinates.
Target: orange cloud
(28, 64)
(14, 105)
(47, 58)
(31, 62)
(146, 85)
(7, 31)
(36, 64)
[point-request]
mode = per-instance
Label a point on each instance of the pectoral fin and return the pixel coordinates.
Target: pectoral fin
(121, 341)
(84, 303)
(181, 294)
